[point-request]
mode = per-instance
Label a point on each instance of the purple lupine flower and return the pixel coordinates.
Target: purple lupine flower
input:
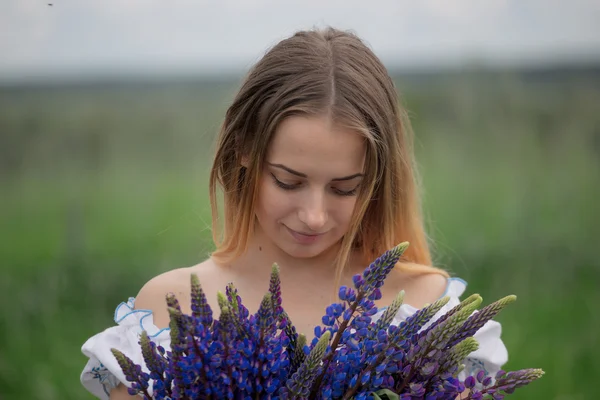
(296, 343)
(177, 364)
(506, 383)
(442, 332)
(361, 302)
(275, 290)
(476, 396)
(358, 281)
(200, 307)
(455, 355)
(416, 321)
(480, 318)
(454, 310)
(299, 385)
(347, 294)
(426, 350)
(264, 316)
(515, 379)
(235, 302)
(261, 356)
(133, 373)
(377, 271)
(470, 382)
(390, 312)
(156, 363)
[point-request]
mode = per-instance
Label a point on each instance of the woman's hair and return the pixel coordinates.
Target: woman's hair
(323, 73)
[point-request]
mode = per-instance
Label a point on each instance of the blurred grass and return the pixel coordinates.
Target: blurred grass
(103, 187)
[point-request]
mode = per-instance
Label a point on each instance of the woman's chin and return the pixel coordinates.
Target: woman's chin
(307, 252)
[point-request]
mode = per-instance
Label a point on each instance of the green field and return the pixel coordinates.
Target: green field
(104, 185)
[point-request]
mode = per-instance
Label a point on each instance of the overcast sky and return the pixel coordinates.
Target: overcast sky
(111, 36)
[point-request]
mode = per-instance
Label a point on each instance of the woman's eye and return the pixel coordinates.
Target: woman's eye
(283, 185)
(293, 186)
(345, 192)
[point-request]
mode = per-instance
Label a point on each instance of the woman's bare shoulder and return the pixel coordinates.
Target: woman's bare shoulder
(420, 288)
(152, 296)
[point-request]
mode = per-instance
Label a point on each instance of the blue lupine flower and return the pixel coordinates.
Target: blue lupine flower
(262, 356)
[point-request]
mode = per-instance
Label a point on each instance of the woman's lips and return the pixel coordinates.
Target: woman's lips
(304, 238)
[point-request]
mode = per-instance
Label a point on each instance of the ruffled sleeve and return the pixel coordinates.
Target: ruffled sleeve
(102, 372)
(491, 354)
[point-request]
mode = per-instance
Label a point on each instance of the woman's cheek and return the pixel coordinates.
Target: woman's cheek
(274, 201)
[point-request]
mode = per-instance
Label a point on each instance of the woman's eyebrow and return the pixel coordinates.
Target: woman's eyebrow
(300, 174)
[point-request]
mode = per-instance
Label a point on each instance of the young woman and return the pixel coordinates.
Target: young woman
(315, 164)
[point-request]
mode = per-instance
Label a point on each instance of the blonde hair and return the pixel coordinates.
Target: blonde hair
(323, 72)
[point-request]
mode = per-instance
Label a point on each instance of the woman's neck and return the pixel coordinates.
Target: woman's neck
(308, 285)
(256, 263)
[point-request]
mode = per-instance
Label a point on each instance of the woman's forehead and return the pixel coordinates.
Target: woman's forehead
(303, 141)
(317, 148)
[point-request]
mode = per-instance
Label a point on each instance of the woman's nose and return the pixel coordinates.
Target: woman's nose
(313, 211)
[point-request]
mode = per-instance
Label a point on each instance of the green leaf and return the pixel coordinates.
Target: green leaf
(385, 394)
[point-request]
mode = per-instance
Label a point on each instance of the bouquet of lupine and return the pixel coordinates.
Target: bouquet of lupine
(262, 356)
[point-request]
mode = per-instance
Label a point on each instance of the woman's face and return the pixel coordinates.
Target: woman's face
(309, 185)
